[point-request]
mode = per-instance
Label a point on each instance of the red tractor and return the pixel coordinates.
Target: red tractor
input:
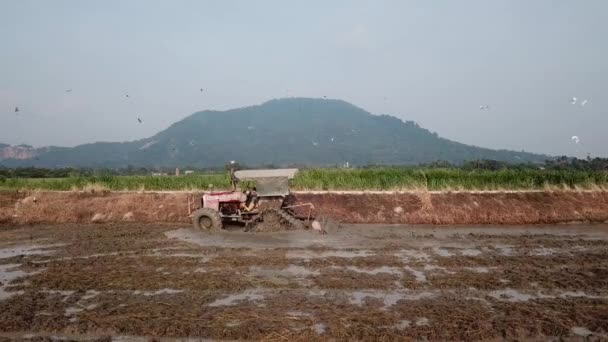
(266, 199)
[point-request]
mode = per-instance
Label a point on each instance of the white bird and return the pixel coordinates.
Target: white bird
(573, 100)
(332, 139)
(576, 139)
(316, 226)
(584, 103)
(250, 127)
(315, 144)
(482, 107)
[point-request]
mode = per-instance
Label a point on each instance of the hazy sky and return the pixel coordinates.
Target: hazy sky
(434, 62)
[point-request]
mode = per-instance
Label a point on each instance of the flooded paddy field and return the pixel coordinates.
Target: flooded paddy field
(130, 281)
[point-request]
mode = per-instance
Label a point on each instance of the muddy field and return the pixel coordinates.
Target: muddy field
(132, 281)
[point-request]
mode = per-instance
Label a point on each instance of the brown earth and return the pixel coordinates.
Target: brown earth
(129, 280)
(510, 208)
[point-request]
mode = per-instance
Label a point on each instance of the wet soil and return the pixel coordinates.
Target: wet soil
(133, 281)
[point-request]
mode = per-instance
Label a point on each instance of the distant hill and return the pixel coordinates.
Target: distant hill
(292, 131)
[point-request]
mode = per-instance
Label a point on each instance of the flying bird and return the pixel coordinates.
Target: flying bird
(332, 139)
(201, 89)
(126, 95)
(139, 120)
(68, 91)
(315, 144)
(16, 109)
(584, 103)
(576, 139)
(573, 100)
(482, 107)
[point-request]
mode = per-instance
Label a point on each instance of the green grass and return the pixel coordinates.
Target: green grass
(444, 179)
(389, 178)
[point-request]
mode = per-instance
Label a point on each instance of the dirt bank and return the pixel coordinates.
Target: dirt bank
(406, 208)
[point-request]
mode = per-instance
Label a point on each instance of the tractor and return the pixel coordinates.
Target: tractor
(265, 199)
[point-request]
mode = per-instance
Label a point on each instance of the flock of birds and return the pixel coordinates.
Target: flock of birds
(573, 100)
(139, 120)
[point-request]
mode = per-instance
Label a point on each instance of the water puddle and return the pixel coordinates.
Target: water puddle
(383, 269)
(158, 292)
(233, 299)
(71, 311)
(542, 251)
(175, 253)
(407, 255)
(477, 269)
(470, 252)
(580, 294)
(282, 276)
(14, 251)
(232, 324)
(402, 325)
(295, 313)
(320, 328)
(442, 252)
(422, 321)
(389, 298)
(581, 331)
(9, 273)
(510, 295)
(240, 239)
(311, 254)
(506, 250)
(419, 275)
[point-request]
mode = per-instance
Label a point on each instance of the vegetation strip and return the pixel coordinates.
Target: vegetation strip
(373, 179)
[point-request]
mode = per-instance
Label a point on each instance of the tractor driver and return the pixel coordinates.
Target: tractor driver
(252, 199)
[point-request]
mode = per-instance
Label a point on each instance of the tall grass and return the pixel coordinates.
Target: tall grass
(207, 181)
(388, 178)
(444, 179)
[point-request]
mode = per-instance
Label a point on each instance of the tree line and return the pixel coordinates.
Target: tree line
(559, 163)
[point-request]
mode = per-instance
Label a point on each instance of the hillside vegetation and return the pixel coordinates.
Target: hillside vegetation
(284, 132)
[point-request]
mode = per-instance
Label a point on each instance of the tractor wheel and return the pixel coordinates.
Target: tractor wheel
(207, 219)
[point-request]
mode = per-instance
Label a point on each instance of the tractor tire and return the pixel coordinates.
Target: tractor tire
(207, 219)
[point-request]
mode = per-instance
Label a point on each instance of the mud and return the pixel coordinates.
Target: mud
(444, 208)
(133, 281)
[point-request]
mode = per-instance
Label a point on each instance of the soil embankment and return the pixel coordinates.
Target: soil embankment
(374, 207)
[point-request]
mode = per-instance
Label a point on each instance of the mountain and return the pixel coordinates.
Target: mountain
(292, 131)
